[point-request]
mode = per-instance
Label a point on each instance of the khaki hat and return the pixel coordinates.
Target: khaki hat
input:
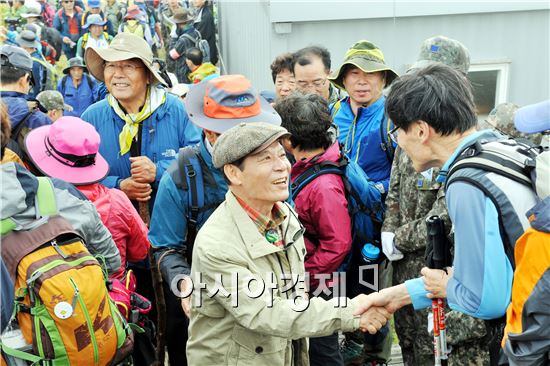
(445, 50)
(243, 140)
(124, 46)
(181, 16)
(52, 99)
(366, 56)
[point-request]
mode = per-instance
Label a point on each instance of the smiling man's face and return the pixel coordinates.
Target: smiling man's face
(126, 80)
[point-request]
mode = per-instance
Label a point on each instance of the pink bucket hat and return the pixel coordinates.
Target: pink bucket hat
(68, 150)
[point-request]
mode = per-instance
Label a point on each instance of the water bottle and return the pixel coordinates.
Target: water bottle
(13, 338)
(370, 253)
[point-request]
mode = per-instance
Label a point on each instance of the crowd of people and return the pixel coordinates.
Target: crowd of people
(235, 212)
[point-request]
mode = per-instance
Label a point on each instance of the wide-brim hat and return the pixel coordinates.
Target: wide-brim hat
(181, 16)
(68, 150)
(74, 62)
(367, 57)
(124, 46)
(226, 101)
(94, 19)
(27, 38)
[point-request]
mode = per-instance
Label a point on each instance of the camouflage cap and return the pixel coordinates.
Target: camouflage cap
(445, 50)
(52, 99)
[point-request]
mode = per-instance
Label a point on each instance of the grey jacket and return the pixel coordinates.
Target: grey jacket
(19, 188)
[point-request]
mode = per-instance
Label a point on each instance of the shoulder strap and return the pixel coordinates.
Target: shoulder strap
(385, 141)
(335, 108)
(191, 38)
(90, 81)
(325, 167)
(63, 86)
(45, 197)
(481, 156)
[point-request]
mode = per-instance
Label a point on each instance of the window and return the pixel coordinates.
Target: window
(490, 85)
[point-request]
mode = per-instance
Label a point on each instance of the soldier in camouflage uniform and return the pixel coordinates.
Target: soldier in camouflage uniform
(413, 197)
(501, 118)
(53, 101)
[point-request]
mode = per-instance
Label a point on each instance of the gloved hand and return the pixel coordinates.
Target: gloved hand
(388, 247)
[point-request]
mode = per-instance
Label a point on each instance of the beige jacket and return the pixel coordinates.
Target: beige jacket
(253, 333)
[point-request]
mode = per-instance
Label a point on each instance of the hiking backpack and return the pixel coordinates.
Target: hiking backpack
(86, 36)
(49, 77)
(61, 300)
(201, 44)
(135, 27)
(192, 175)
(513, 159)
(365, 205)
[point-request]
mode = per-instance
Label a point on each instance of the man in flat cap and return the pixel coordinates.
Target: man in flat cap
(249, 300)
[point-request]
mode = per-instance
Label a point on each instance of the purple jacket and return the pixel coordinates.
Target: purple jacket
(323, 210)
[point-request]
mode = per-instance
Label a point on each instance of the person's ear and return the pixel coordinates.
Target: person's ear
(423, 131)
(233, 174)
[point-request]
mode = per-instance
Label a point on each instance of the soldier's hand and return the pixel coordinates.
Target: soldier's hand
(373, 319)
(435, 281)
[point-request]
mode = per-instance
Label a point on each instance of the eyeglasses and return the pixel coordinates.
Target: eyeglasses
(312, 84)
(124, 68)
(393, 134)
(68, 1)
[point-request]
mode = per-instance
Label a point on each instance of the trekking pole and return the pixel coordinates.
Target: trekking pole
(438, 239)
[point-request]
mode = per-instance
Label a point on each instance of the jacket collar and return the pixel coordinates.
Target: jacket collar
(330, 154)
(256, 243)
(205, 154)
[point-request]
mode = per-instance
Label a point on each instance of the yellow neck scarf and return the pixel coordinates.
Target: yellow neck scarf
(154, 98)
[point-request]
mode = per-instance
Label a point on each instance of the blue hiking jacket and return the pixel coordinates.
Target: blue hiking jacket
(481, 285)
(164, 133)
(18, 109)
(79, 98)
(169, 225)
(362, 139)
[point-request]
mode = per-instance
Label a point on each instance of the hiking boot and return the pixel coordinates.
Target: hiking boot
(352, 352)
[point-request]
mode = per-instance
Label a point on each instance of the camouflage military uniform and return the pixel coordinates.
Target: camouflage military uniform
(412, 197)
(501, 118)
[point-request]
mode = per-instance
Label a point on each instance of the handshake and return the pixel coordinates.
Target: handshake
(377, 308)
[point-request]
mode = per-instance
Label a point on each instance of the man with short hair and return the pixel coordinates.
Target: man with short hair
(412, 198)
(253, 242)
(311, 68)
(29, 42)
(53, 101)
(186, 34)
(79, 89)
(68, 22)
(15, 82)
(199, 70)
(480, 281)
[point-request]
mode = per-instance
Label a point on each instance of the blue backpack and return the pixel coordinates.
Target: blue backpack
(365, 205)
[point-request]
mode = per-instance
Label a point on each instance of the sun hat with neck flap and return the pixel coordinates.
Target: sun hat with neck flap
(124, 46)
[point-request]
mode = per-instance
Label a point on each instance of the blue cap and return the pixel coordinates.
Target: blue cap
(533, 118)
(370, 251)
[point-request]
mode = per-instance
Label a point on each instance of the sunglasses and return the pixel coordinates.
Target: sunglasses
(68, 1)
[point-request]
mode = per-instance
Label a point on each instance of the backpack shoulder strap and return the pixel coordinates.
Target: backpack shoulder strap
(191, 38)
(90, 81)
(335, 108)
(45, 197)
(63, 86)
(491, 157)
(316, 170)
(385, 141)
(191, 171)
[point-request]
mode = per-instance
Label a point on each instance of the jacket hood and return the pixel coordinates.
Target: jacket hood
(19, 188)
(330, 154)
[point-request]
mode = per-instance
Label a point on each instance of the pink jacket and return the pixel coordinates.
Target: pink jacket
(121, 218)
(322, 208)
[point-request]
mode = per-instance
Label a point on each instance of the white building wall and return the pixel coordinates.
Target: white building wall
(515, 34)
